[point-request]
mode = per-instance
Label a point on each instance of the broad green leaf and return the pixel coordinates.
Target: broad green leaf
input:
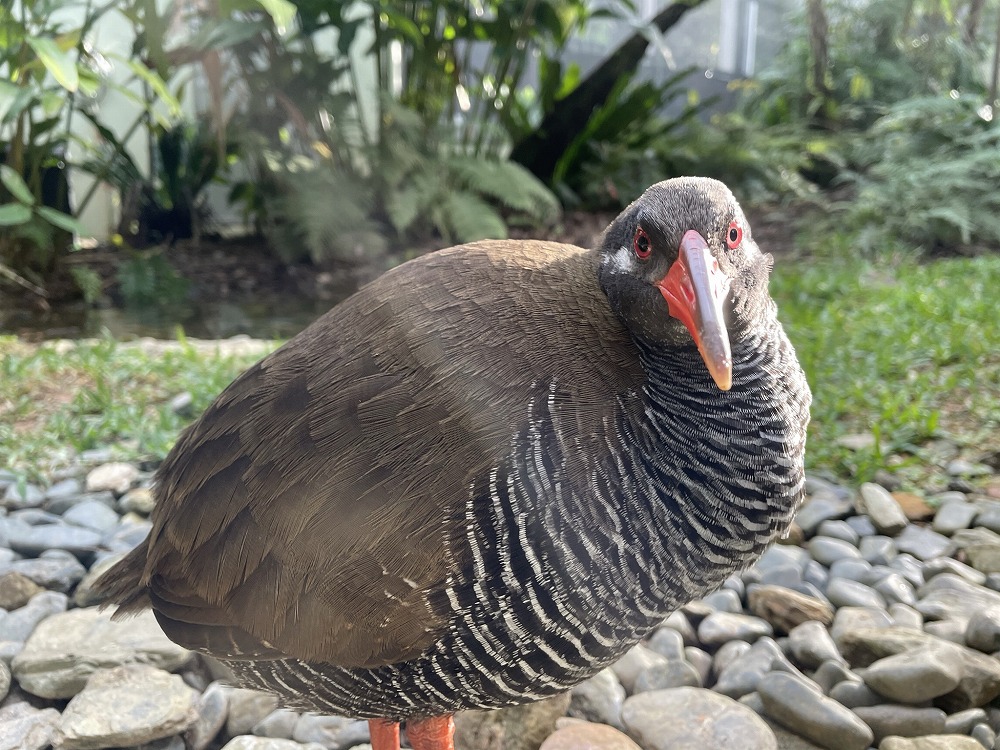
(12, 214)
(14, 100)
(60, 64)
(61, 220)
(158, 85)
(281, 12)
(16, 185)
(52, 101)
(225, 33)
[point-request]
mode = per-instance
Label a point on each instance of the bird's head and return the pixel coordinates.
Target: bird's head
(679, 264)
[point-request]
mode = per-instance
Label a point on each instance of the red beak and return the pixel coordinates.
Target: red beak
(695, 289)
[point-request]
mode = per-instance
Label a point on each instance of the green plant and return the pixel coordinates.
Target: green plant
(45, 65)
(626, 145)
(147, 279)
(928, 177)
(166, 205)
(337, 162)
(873, 54)
(899, 351)
(61, 398)
(773, 163)
(315, 211)
(462, 197)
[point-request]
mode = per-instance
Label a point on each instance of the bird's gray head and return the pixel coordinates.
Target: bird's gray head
(679, 264)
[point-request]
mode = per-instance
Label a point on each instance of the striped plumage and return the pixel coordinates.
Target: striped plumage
(487, 475)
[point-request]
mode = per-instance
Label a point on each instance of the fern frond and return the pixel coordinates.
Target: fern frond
(469, 218)
(325, 214)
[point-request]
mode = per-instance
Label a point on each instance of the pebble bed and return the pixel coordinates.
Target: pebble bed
(874, 624)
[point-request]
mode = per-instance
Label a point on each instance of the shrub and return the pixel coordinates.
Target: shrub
(930, 171)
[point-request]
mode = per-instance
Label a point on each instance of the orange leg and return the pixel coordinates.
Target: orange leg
(385, 734)
(434, 733)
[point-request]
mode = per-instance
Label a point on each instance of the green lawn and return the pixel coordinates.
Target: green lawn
(899, 351)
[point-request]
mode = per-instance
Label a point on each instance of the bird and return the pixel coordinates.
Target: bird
(486, 475)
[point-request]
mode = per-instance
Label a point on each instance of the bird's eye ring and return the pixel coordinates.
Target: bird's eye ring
(734, 235)
(640, 244)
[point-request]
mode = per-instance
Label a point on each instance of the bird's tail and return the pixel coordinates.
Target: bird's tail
(123, 584)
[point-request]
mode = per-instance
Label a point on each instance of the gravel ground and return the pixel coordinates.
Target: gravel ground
(876, 623)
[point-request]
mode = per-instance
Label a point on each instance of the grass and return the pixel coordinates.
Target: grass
(899, 351)
(101, 394)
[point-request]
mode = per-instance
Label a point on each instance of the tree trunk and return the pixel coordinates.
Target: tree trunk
(540, 151)
(995, 78)
(972, 20)
(819, 55)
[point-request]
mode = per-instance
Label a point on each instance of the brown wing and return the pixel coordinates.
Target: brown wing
(312, 508)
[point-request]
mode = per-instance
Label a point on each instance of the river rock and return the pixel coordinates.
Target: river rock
(720, 627)
(914, 507)
(249, 742)
(588, 736)
(246, 709)
(212, 709)
(19, 624)
(882, 508)
(793, 704)
(330, 731)
(634, 662)
(689, 718)
(92, 515)
(279, 723)
(930, 742)
(984, 557)
(854, 694)
(845, 593)
(741, 675)
(811, 645)
(917, 675)
(66, 648)
(85, 595)
(32, 541)
(819, 508)
(896, 590)
(909, 567)
(517, 728)
(979, 685)
(831, 673)
(950, 597)
(784, 609)
(850, 619)
(675, 673)
(954, 516)
(902, 721)
(116, 477)
(827, 550)
(16, 590)
(940, 565)
(599, 699)
(138, 500)
(983, 631)
(904, 616)
(127, 705)
(24, 727)
(54, 570)
(18, 495)
(923, 543)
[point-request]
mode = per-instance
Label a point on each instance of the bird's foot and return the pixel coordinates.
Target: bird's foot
(434, 733)
(384, 733)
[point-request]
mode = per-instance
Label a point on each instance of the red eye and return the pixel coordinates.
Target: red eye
(640, 244)
(734, 235)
